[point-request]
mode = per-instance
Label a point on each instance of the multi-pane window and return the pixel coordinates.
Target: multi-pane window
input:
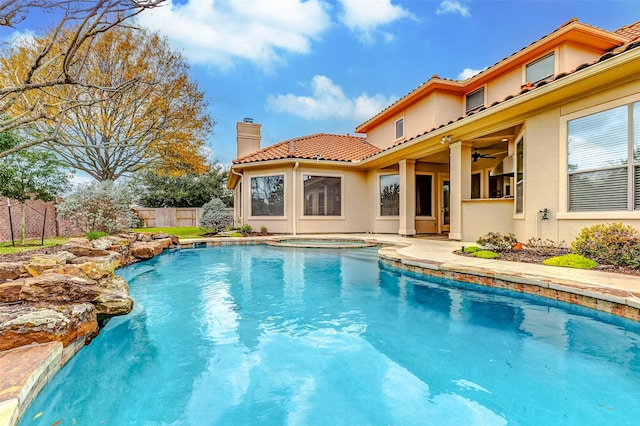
(400, 128)
(424, 195)
(322, 195)
(475, 99)
(267, 196)
(389, 195)
(540, 69)
(519, 178)
(603, 161)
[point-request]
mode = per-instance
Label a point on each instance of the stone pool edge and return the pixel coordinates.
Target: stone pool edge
(622, 303)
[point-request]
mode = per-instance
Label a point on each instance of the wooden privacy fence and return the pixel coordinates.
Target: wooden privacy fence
(170, 216)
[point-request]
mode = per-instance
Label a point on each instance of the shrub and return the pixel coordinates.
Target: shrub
(263, 230)
(571, 261)
(247, 229)
(94, 235)
(497, 242)
(215, 216)
(470, 249)
(613, 244)
(545, 247)
(99, 206)
(485, 254)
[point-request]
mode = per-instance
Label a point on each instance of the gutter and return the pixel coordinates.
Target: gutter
(240, 176)
(293, 208)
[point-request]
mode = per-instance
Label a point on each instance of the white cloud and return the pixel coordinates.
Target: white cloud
(365, 16)
(468, 73)
(218, 32)
(448, 6)
(329, 101)
(19, 37)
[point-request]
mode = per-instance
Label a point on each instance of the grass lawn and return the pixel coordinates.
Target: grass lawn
(7, 248)
(181, 232)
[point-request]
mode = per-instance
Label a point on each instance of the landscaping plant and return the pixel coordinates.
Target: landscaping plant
(497, 242)
(612, 243)
(100, 206)
(571, 260)
(215, 216)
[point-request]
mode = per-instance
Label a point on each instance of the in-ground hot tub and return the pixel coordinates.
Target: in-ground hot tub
(321, 242)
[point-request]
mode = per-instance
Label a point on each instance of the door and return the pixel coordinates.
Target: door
(444, 201)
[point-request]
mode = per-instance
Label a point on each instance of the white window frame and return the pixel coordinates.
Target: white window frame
(395, 128)
(284, 195)
(433, 196)
(342, 198)
(538, 61)
(477, 107)
(631, 212)
(379, 194)
(519, 140)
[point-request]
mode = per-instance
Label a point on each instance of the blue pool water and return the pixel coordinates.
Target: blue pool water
(274, 336)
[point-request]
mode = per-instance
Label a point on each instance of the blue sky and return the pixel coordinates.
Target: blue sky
(303, 67)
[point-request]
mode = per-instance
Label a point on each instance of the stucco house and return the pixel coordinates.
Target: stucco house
(541, 144)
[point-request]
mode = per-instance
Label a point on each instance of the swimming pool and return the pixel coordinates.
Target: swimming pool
(264, 335)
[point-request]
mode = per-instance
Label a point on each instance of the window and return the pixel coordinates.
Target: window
(267, 196)
(499, 186)
(540, 69)
(604, 160)
(520, 176)
(400, 129)
(424, 195)
(475, 99)
(322, 195)
(475, 185)
(389, 195)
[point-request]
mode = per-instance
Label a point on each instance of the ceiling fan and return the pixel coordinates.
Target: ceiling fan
(476, 155)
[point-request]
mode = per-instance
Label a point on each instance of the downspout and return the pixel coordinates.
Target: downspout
(240, 175)
(293, 209)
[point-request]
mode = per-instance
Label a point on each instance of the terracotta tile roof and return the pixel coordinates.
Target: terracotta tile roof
(525, 89)
(631, 31)
(328, 147)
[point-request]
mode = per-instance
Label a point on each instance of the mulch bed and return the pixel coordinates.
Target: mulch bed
(530, 256)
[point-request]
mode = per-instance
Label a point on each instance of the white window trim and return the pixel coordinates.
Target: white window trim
(395, 124)
(378, 204)
(433, 198)
(554, 52)
(324, 174)
(563, 153)
(284, 196)
(520, 137)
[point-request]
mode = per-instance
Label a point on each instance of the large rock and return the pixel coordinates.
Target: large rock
(11, 271)
(114, 298)
(146, 250)
(57, 297)
(22, 325)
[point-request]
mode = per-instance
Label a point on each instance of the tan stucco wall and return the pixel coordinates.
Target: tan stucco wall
(430, 112)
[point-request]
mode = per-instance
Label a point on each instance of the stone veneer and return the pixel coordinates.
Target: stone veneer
(622, 303)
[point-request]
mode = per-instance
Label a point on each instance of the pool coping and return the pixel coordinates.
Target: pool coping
(24, 371)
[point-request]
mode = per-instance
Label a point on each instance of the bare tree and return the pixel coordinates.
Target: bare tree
(159, 121)
(27, 75)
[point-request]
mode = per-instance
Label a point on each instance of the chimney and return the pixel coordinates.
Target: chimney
(248, 137)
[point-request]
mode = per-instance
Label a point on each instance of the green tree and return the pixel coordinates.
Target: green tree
(29, 174)
(183, 191)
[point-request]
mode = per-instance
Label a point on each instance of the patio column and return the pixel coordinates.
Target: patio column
(460, 181)
(407, 225)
